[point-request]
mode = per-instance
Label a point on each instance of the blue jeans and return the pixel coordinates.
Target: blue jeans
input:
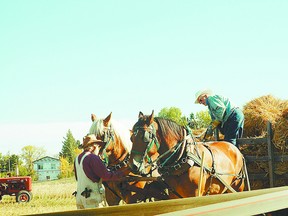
(233, 127)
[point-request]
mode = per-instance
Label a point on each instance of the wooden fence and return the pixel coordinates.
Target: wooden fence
(236, 204)
(271, 158)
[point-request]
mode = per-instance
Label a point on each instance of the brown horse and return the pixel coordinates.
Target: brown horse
(115, 146)
(179, 159)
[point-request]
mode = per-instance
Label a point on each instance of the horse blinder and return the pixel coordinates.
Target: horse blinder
(147, 136)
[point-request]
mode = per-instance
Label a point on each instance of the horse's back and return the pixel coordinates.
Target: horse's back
(225, 152)
(229, 159)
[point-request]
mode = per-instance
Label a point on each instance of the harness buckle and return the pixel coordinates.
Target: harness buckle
(118, 166)
(213, 171)
(177, 166)
(184, 160)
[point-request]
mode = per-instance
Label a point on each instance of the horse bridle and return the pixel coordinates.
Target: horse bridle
(150, 138)
(108, 137)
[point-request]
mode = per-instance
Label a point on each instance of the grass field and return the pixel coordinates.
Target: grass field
(49, 196)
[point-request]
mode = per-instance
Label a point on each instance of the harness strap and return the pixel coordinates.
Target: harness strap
(212, 171)
(183, 146)
(104, 152)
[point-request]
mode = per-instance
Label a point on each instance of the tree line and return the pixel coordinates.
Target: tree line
(22, 164)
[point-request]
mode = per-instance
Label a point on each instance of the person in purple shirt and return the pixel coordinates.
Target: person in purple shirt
(90, 171)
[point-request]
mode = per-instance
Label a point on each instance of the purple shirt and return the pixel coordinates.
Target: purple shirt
(95, 169)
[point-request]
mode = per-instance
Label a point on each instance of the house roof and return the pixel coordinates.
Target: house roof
(44, 158)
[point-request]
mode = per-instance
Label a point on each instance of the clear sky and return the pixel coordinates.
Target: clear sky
(61, 60)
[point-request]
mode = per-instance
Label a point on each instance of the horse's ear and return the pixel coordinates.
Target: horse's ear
(141, 115)
(107, 120)
(93, 117)
(151, 117)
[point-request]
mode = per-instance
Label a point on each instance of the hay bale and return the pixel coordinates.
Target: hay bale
(263, 109)
(258, 112)
(280, 129)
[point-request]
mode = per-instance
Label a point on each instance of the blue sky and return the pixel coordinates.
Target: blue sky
(60, 61)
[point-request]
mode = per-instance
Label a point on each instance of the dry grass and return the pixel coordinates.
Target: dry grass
(50, 196)
(281, 129)
(257, 112)
(267, 108)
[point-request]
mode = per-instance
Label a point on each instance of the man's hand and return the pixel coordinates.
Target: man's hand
(215, 124)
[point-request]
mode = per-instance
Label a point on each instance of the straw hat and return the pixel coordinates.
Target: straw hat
(88, 141)
(202, 92)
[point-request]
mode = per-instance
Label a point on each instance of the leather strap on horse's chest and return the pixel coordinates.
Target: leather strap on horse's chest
(176, 169)
(211, 170)
(120, 164)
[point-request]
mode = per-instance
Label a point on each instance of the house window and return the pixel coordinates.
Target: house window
(40, 166)
(53, 166)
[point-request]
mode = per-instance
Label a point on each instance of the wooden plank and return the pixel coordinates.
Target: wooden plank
(201, 174)
(280, 158)
(256, 158)
(257, 176)
(277, 158)
(247, 206)
(270, 154)
(166, 206)
(253, 141)
(265, 176)
(284, 176)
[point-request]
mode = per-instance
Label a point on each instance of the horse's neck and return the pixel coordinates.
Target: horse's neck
(123, 135)
(171, 148)
(118, 152)
(167, 143)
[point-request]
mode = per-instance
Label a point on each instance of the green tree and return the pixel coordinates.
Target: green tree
(173, 113)
(67, 169)
(9, 164)
(192, 123)
(13, 159)
(69, 146)
(201, 120)
(29, 154)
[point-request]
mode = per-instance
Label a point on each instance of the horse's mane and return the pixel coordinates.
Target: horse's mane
(170, 128)
(97, 127)
(120, 130)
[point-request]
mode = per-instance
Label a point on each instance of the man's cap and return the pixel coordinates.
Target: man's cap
(88, 140)
(202, 92)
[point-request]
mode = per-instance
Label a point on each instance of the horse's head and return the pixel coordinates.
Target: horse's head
(104, 132)
(112, 138)
(145, 144)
